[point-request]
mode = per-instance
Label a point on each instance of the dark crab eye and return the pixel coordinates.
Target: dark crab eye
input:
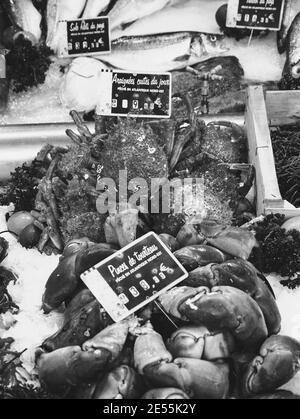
(213, 38)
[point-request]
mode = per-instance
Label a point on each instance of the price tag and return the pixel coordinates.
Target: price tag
(85, 37)
(134, 276)
(255, 14)
(142, 95)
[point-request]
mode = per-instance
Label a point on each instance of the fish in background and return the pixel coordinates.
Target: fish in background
(293, 48)
(60, 10)
(166, 52)
(94, 7)
(128, 11)
(180, 16)
(24, 15)
(291, 9)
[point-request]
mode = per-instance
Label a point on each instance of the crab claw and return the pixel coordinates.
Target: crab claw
(173, 300)
(191, 257)
(112, 339)
(198, 343)
(235, 241)
(227, 308)
(122, 383)
(68, 367)
(198, 379)
(83, 318)
(242, 275)
(149, 349)
(222, 308)
(64, 281)
(277, 363)
(165, 394)
(278, 395)
(73, 246)
(188, 342)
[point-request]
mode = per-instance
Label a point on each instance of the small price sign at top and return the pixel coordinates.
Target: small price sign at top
(255, 14)
(84, 37)
(134, 276)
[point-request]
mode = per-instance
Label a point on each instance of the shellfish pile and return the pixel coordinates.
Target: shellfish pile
(223, 339)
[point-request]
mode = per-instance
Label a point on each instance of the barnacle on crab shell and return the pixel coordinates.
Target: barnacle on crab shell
(84, 224)
(133, 147)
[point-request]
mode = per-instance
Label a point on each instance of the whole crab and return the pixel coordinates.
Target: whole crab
(66, 202)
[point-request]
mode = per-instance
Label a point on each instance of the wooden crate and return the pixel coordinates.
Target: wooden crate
(265, 110)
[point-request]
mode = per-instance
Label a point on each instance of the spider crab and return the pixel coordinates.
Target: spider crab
(66, 201)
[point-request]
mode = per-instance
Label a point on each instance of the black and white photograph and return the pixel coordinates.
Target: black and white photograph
(149, 202)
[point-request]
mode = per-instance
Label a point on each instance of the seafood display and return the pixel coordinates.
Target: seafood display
(165, 53)
(210, 354)
(66, 198)
(163, 35)
(186, 176)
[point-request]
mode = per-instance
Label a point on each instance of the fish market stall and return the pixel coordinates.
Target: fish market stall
(149, 199)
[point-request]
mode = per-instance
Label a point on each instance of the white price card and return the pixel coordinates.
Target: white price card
(134, 276)
(255, 14)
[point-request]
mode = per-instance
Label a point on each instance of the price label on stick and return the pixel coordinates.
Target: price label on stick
(140, 95)
(85, 37)
(134, 276)
(255, 14)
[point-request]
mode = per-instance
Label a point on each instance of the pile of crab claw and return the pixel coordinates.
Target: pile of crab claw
(226, 342)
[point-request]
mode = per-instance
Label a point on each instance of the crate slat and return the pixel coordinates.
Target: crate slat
(261, 152)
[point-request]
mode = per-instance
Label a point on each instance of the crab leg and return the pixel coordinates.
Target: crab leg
(46, 188)
(181, 142)
(238, 133)
(43, 240)
(74, 137)
(82, 128)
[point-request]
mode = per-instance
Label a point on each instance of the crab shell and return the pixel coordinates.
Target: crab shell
(198, 343)
(64, 281)
(170, 242)
(68, 367)
(82, 320)
(235, 241)
(121, 383)
(242, 275)
(189, 236)
(277, 363)
(165, 394)
(197, 378)
(191, 257)
(221, 309)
